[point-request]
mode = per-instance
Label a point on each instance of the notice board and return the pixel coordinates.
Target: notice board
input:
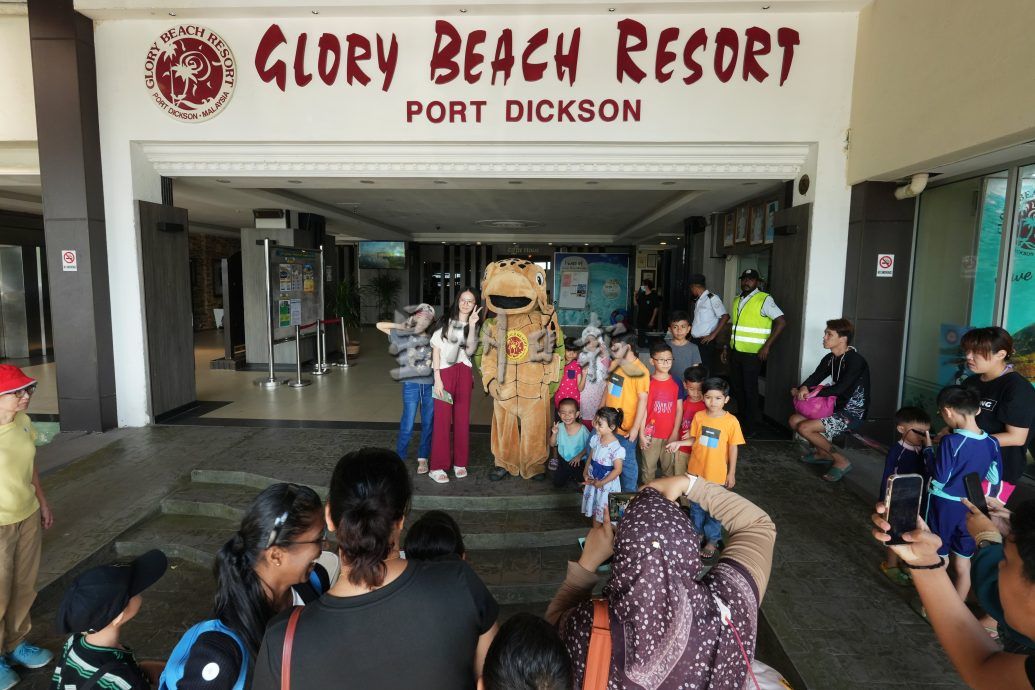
(584, 283)
(295, 287)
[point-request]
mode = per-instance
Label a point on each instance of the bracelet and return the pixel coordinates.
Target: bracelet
(693, 480)
(933, 566)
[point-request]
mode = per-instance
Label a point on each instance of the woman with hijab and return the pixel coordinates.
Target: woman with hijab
(668, 629)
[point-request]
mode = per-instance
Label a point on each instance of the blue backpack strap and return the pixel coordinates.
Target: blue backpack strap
(174, 668)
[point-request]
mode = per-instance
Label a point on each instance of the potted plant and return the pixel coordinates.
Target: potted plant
(384, 287)
(347, 308)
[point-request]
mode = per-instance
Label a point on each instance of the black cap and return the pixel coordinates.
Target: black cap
(99, 595)
(750, 273)
(697, 279)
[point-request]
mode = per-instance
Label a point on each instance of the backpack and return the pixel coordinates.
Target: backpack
(174, 668)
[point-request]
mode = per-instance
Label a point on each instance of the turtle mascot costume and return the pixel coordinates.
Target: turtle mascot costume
(521, 357)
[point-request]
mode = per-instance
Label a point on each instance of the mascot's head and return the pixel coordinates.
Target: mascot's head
(515, 286)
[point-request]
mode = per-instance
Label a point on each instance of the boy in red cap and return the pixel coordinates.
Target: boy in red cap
(96, 606)
(23, 512)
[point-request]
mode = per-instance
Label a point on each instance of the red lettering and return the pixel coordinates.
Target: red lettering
(726, 40)
(359, 49)
(330, 47)
(665, 56)
(757, 43)
(533, 71)
(443, 57)
(539, 111)
(478, 110)
(630, 28)
(267, 44)
(564, 111)
(440, 108)
(457, 111)
(586, 110)
(504, 61)
(473, 59)
(514, 110)
(786, 38)
(386, 62)
(698, 41)
(413, 108)
(613, 105)
(568, 61)
(301, 76)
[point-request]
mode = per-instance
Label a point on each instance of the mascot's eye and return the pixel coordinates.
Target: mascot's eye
(540, 278)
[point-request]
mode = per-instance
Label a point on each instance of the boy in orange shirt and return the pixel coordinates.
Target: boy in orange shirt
(714, 437)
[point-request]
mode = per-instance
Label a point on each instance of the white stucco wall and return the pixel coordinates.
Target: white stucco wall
(18, 154)
(811, 107)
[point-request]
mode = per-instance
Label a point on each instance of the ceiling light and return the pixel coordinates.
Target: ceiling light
(443, 243)
(477, 242)
(610, 9)
(592, 182)
(509, 224)
(463, 11)
(172, 14)
(316, 11)
(366, 182)
(587, 244)
(515, 182)
(549, 244)
(294, 181)
(441, 182)
(662, 242)
(668, 182)
(222, 180)
(765, 7)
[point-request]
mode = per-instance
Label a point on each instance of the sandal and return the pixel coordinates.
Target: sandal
(811, 459)
(836, 474)
(422, 465)
(439, 476)
(708, 551)
(896, 575)
(460, 472)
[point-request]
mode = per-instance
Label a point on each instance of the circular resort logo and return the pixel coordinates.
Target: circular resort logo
(190, 72)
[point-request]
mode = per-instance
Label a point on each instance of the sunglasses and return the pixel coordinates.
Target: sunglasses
(28, 390)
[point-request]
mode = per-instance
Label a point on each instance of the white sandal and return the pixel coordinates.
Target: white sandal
(460, 472)
(422, 465)
(439, 476)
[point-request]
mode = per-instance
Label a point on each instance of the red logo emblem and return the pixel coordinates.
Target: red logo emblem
(190, 72)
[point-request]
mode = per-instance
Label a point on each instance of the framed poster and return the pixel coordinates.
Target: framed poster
(589, 283)
(727, 231)
(742, 225)
(647, 275)
(652, 261)
(757, 224)
(770, 220)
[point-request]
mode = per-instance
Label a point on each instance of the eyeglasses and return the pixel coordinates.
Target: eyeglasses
(324, 541)
(663, 361)
(28, 390)
(467, 301)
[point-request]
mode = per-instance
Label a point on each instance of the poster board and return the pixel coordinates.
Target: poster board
(586, 283)
(296, 291)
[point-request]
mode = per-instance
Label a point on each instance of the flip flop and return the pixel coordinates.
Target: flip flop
(422, 466)
(896, 575)
(460, 472)
(811, 459)
(439, 476)
(836, 474)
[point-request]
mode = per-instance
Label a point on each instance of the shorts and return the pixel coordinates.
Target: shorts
(837, 424)
(948, 519)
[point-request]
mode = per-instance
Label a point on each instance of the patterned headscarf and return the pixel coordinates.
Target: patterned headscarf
(666, 628)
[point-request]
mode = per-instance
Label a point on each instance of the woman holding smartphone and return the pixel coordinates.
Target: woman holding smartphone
(1007, 398)
(453, 344)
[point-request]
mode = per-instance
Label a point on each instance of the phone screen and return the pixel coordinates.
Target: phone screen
(975, 494)
(617, 503)
(902, 503)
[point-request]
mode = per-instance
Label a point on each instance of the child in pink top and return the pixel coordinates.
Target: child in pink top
(573, 379)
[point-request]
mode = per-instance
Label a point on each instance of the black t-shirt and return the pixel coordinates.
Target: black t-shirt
(848, 373)
(1006, 400)
(645, 306)
(419, 631)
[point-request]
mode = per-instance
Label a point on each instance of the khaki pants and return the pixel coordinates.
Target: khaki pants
(656, 455)
(20, 546)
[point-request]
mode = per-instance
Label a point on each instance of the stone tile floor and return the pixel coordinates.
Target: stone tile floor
(839, 621)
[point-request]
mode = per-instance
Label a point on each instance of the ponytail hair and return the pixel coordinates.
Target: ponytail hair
(370, 493)
(612, 415)
(277, 515)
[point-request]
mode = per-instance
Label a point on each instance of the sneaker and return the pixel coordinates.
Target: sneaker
(552, 464)
(498, 474)
(8, 678)
(29, 656)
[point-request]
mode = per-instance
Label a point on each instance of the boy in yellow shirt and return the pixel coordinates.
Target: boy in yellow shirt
(714, 437)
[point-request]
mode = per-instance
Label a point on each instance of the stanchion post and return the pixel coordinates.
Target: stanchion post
(270, 381)
(320, 368)
(299, 382)
(344, 364)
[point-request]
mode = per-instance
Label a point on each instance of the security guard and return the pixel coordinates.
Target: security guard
(757, 323)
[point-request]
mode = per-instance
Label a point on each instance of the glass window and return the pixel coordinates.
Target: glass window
(1020, 305)
(955, 279)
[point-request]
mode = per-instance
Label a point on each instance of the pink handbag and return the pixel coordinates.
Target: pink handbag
(814, 406)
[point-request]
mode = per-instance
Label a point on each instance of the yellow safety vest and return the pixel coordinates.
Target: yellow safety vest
(750, 328)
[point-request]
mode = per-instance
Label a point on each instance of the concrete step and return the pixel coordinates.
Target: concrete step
(515, 575)
(482, 529)
(521, 495)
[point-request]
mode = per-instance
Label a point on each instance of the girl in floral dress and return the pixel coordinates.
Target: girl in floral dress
(605, 465)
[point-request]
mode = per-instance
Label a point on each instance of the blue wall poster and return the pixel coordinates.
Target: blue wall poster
(600, 282)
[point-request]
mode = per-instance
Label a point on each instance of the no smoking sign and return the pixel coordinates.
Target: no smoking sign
(885, 265)
(69, 260)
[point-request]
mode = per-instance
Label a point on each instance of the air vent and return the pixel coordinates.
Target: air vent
(509, 224)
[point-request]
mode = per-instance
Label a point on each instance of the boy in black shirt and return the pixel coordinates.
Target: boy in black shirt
(96, 606)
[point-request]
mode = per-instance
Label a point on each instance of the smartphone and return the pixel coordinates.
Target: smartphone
(902, 504)
(446, 397)
(975, 494)
(617, 503)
